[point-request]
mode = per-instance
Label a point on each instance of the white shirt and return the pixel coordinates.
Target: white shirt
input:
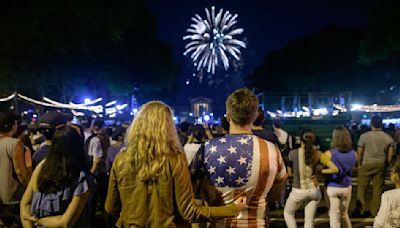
(191, 150)
(389, 212)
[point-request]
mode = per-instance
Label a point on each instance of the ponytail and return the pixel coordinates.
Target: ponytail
(308, 138)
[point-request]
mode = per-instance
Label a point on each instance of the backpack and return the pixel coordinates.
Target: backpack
(105, 143)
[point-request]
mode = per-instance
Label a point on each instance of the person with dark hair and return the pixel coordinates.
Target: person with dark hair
(284, 139)
(195, 141)
(339, 184)
(47, 126)
(183, 131)
(118, 137)
(59, 192)
(28, 149)
(14, 176)
(262, 132)
(305, 189)
(241, 163)
(374, 152)
(96, 146)
(389, 211)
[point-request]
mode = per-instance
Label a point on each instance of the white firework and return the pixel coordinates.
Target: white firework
(213, 40)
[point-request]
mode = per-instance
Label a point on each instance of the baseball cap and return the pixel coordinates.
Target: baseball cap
(7, 120)
(53, 118)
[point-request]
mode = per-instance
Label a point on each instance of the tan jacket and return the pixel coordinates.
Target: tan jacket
(168, 202)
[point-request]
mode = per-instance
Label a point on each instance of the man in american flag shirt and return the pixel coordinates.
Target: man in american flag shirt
(240, 163)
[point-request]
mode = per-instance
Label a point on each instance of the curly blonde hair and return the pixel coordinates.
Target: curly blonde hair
(151, 140)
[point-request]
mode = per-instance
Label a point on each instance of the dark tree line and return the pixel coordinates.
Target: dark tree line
(364, 61)
(63, 49)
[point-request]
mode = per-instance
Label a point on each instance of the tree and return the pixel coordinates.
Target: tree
(63, 48)
(382, 42)
(318, 62)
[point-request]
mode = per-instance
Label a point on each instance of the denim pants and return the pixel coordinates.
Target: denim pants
(309, 198)
(339, 200)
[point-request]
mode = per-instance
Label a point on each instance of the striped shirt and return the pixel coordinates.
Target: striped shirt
(243, 162)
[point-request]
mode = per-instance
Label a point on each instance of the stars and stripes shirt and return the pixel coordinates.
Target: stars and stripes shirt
(243, 162)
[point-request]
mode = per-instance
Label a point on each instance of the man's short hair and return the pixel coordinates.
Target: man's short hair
(242, 106)
(277, 123)
(376, 121)
(260, 118)
(98, 123)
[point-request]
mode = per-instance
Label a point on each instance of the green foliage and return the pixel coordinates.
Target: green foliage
(322, 61)
(63, 48)
(383, 39)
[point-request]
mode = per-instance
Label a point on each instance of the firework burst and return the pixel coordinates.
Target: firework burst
(212, 40)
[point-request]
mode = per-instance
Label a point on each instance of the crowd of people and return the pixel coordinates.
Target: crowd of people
(152, 174)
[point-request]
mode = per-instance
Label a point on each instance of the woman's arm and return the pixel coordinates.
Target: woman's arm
(25, 204)
(113, 203)
(185, 201)
(71, 215)
(325, 159)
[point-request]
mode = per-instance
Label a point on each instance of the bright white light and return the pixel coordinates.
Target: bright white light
(211, 114)
(111, 110)
(272, 114)
(206, 118)
(135, 110)
(355, 107)
(87, 101)
(34, 115)
(190, 114)
(25, 112)
(320, 111)
(175, 118)
(111, 103)
(213, 40)
(187, 82)
(120, 107)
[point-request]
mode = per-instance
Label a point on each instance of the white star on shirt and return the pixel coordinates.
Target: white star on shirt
(243, 141)
(230, 170)
(242, 160)
(221, 159)
(213, 149)
(240, 180)
(211, 170)
(232, 150)
(222, 140)
(206, 143)
(220, 180)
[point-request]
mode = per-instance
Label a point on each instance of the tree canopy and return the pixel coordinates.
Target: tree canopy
(63, 49)
(323, 61)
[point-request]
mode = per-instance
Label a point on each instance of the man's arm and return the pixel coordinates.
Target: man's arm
(360, 151)
(20, 169)
(281, 176)
(97, 153)
(390, 153)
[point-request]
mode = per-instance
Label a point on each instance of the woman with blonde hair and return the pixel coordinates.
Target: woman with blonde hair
(150, 182)
(339, 183)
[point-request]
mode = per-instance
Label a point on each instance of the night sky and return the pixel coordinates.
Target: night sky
(268, 24)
